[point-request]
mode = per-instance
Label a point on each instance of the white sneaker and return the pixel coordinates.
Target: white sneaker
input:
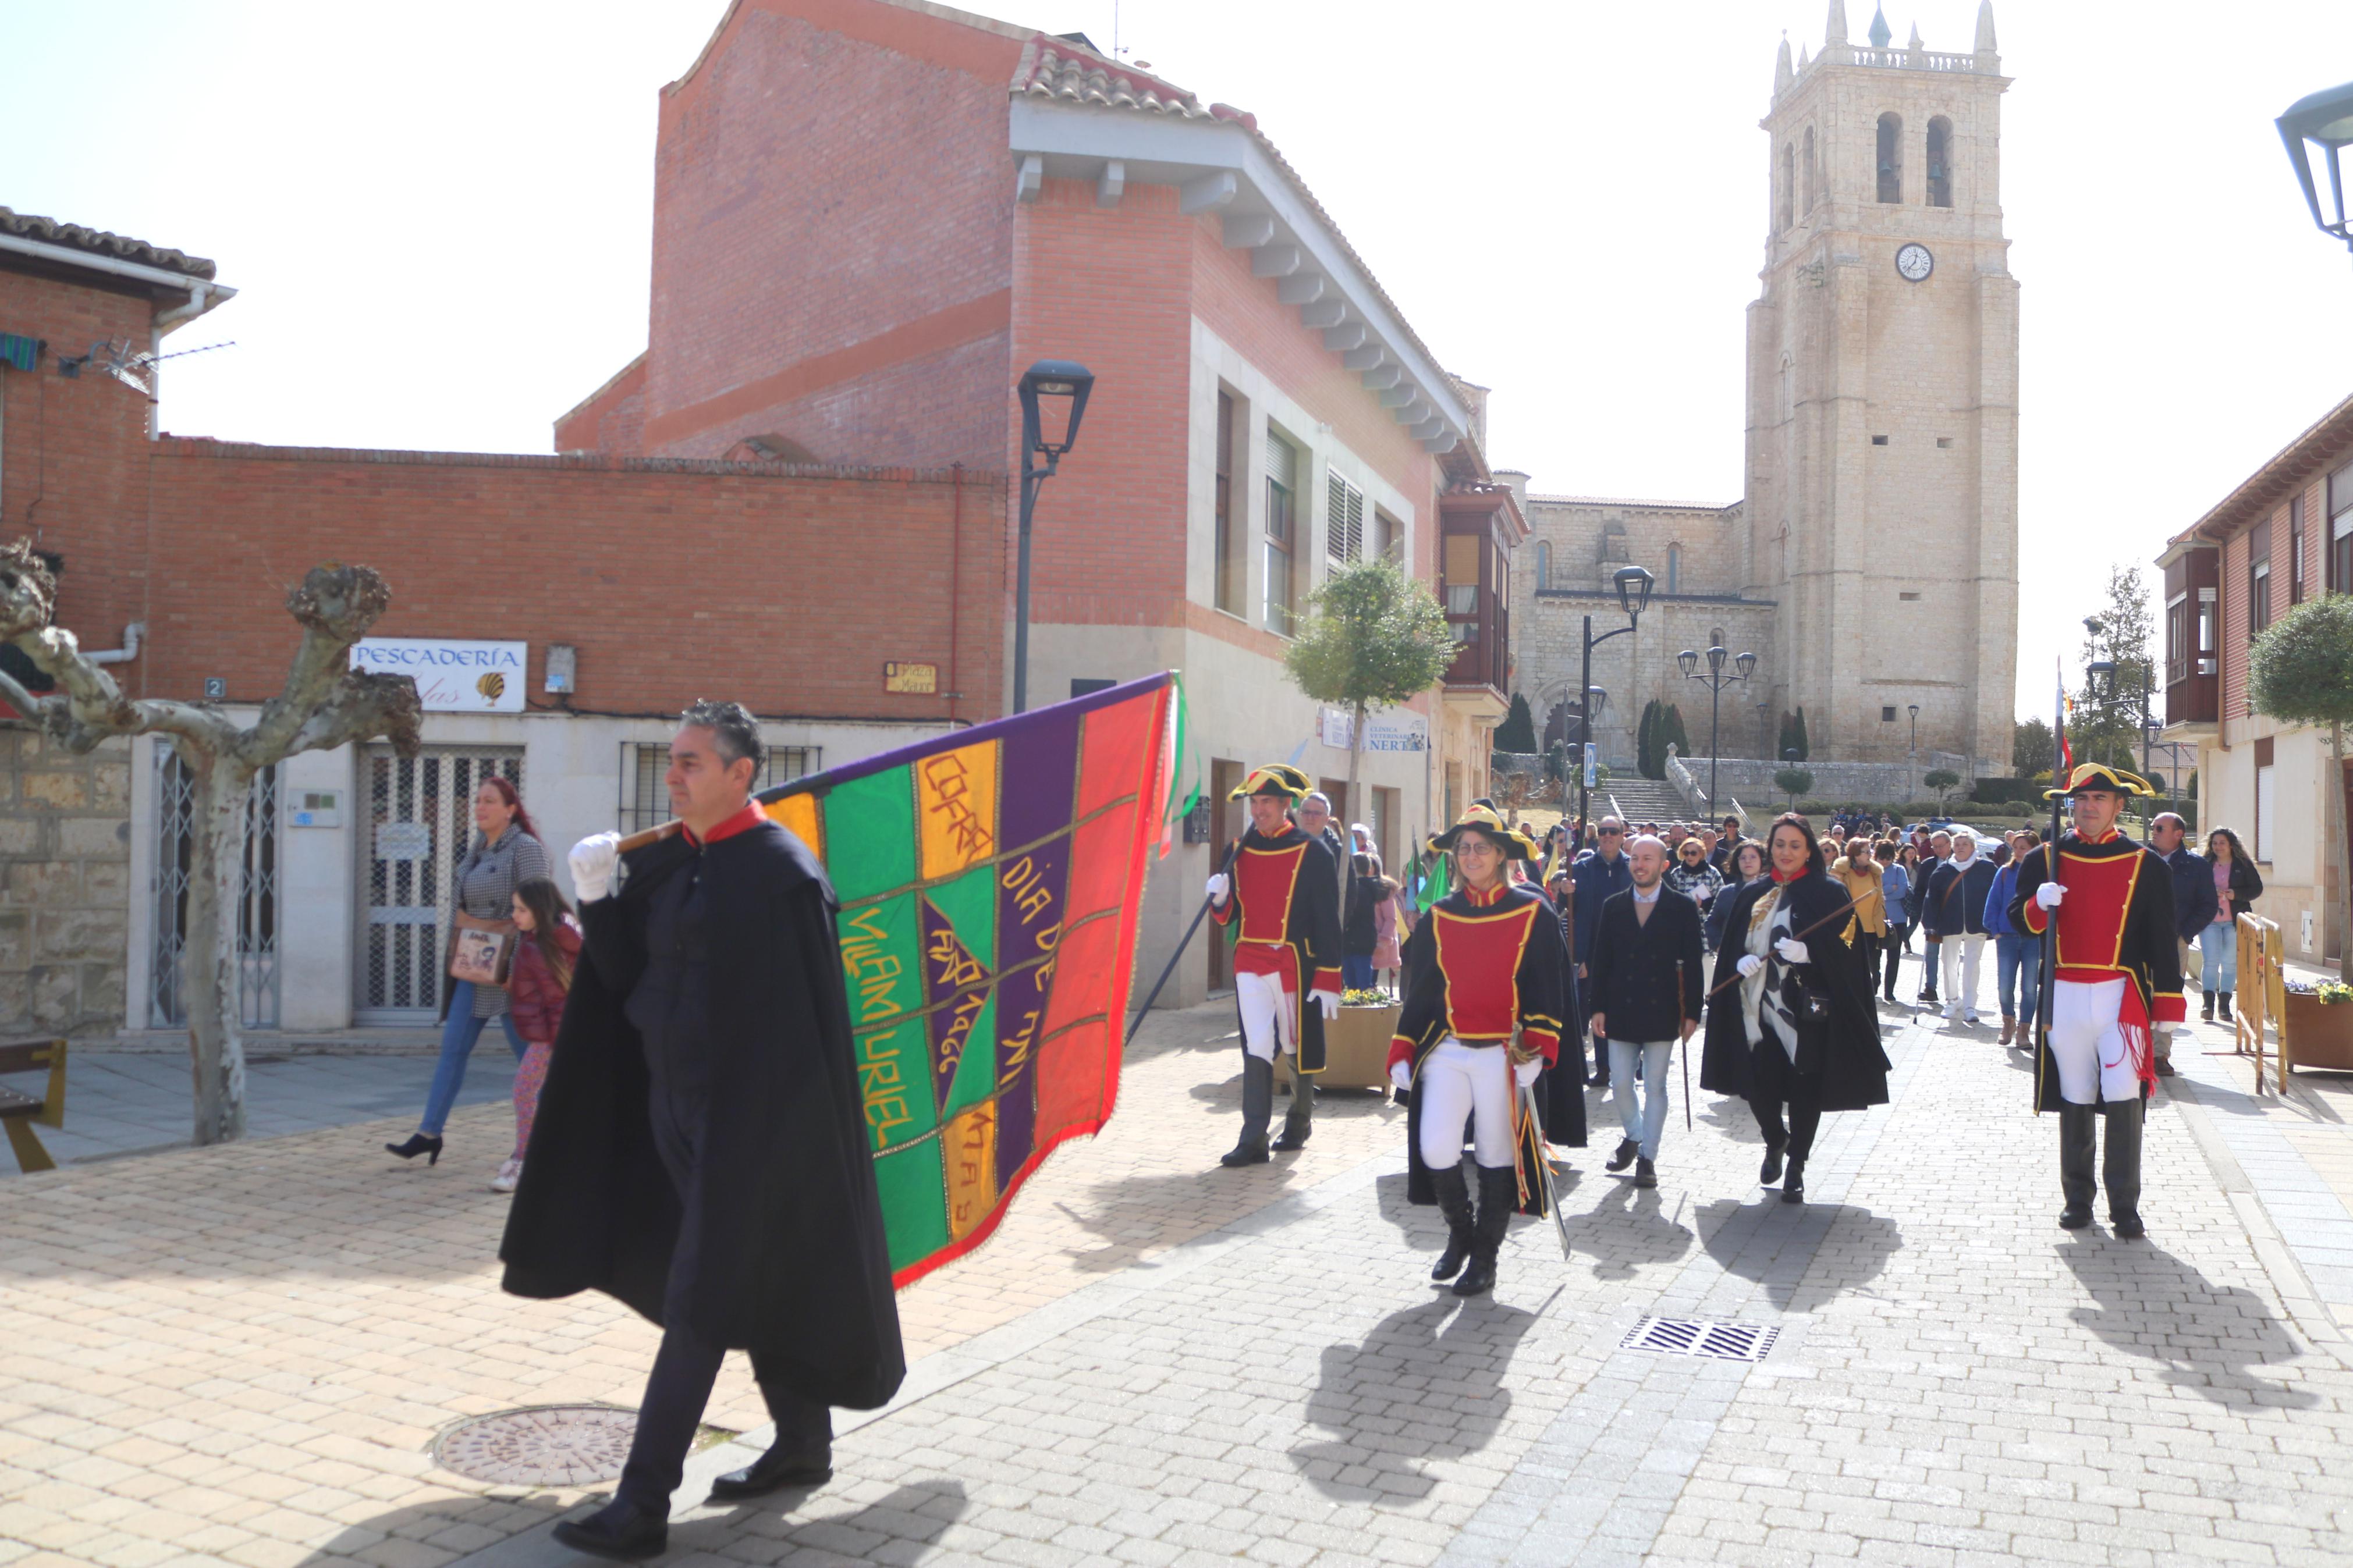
(1970, 1019)
(1952, 1011)
(509, 1175)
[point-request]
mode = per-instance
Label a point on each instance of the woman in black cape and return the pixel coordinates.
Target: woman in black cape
(1796, 1029)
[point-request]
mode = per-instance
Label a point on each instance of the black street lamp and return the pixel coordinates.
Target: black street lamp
(2324, 120)
(1717, 681)
(1761, 709)
(1914, 709)
(1633, 597)
(1053, 400)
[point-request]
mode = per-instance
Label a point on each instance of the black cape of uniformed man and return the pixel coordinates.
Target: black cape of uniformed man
(700, 1150)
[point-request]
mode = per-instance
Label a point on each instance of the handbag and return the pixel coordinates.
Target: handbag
(481, 951)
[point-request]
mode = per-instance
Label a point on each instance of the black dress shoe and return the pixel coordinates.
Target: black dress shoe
(1770, 1171)
(1627, 1149)
(1249, 1151)
(618, 1531)
(2128, 1228)
(2074, 1218)
(773, 1471)
(1793, 1186)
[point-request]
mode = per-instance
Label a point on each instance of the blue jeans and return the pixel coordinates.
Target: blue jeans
(1357, 971)
(459, 1033)
(2219, 944)
(1652, 1117)
(2018, 970)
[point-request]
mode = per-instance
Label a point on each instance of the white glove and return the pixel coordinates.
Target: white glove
(1791, 952)
(1525, 1073)
(1401, 1075)
(2049, 894)
(1330, 1004)
(1749, 965)
(1219, 886)
(593, 860)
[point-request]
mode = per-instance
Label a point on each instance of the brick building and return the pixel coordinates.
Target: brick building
(871, 215)
(2283, 534)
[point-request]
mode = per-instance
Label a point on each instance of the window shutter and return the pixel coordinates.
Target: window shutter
(1343, 527)
(1280, 463)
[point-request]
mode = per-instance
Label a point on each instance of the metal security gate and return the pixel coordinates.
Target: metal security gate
(257, 904)
(419, 823)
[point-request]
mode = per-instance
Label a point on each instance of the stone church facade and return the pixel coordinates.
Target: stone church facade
(1872, 565)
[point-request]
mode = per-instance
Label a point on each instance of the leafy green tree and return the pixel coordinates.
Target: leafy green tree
(2300, 671)
(1646, 741)
(1517, 732)
(2106, 729)
(1373, 638)
(1943, 781)
(1793, 782)
(2032, 747)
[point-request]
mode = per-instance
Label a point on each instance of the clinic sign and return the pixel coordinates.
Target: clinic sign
(452, 675)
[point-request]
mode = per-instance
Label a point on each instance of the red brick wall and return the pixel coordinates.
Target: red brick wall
(72, 452)
(786, 590)
(613, 418)
(833, 238)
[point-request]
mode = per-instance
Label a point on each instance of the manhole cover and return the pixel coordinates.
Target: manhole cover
(547, 1446)
(1700, 1337)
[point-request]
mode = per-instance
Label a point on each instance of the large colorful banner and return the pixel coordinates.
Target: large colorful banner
(990, 883)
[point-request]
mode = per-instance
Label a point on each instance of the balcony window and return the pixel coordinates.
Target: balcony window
(1282, 533)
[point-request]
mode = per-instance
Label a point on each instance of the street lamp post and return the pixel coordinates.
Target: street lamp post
(1717, 681)
(1053, 400)
(1761, 709)
(2323, 120)
(1633, 597)
(1914, 709)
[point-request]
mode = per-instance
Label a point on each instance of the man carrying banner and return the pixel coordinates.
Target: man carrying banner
(2116, 976)
(701, 1149)
(1285, 892)
(1493, 962)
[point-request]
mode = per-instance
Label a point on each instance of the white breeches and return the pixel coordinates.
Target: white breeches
(1460, 1086)
(2088, 1046)
(1268, 1011)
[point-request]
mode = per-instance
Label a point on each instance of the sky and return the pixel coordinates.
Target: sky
(439, 217)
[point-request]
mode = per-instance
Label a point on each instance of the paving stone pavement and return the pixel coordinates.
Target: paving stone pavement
(240, 1355)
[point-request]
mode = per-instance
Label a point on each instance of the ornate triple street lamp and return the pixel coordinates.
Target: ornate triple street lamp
(1717, 681)
(2324, 121)
(1633, 597)
(1053, 400)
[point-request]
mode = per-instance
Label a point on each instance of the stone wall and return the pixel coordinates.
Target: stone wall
(65, 886)
(1750, 782)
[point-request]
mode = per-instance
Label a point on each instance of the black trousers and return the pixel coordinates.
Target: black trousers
(1893, 943)
(2120, 1167)
(1775, 1083)
(678, 1391)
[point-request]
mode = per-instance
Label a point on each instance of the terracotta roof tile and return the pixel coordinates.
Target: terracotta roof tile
(1055, 68)
(74, 236)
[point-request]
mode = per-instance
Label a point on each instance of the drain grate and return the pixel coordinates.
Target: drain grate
(1700, 1337)
(546, 1445)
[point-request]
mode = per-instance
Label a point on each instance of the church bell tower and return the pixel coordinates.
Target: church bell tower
(1883, 400)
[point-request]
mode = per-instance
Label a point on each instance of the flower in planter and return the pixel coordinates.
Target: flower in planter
(2327, 993)
(1365, 999)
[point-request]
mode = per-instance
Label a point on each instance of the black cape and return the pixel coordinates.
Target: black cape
(785, 1231)
(1847, 1053)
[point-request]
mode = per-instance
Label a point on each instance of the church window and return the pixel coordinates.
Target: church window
(1940, 161)
(1813, 179)
(1715, 636)
(1788, 194)
(1879, 440)
(1675, 568)
(1887, 713)
(1891, 157)
(1543, 564)
(1944, 443)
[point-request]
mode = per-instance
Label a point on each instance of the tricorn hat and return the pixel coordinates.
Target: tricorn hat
(1278, 779)
(2090, 776)
(1515, 845)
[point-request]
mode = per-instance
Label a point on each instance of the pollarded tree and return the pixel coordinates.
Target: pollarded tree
(2300, 671)
(1943, 781)
(1373, 638)
(325, 703)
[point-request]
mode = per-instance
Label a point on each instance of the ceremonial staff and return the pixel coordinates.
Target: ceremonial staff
(1199, 915)
(2059, 772)
(1544, 1167)
(1847, 908)
(1685, 1052)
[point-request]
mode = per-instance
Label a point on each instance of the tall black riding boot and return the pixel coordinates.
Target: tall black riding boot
(2120, 1166)
(1300, 1120)
(2078, 1133)
(1498, 1196)
(1454, 1203)
(1257, 1109)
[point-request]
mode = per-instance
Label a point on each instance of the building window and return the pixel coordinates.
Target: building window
(1389, 538)
(1891, 157)
(1887, 713)
(2340, 530)
(1543, 564)
(645, 800)
(1462, 582)
(1814, 178)
(1282, 530)
(2296, 551)
(1675, 568)
(1940, 162)
(1715, 636)
(1234, 558)
(2266, 799)
(1343, 519)
(2177, 639)
(2210, 616)
(2259, 579)
(1789, 191)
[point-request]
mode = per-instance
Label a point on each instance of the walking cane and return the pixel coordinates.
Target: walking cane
(1198, 916)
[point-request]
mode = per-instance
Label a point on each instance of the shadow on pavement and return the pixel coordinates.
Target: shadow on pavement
(1777, 1245)
(892, 1529)
(2210, 1339)
(1134, 1213)
(1626, 1229)
(1379, 1397)
(431, 1532)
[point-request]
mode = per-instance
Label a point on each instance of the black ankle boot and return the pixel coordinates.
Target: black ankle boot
(2224, 998)
(1793, 1186)
(1499, 1194)
(1627, 1149)
(418, 1144)
(1454, 1203)
(2206, 1009)
(620, 1531)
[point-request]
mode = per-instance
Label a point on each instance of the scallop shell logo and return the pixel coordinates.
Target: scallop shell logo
(491, 686)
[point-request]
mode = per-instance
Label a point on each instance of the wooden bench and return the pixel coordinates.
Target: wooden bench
(19, 1111)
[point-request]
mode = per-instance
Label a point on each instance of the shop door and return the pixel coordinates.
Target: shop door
(417, 824)
(257, 904)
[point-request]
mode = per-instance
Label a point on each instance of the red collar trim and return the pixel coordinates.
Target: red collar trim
(1776, 876)
(1492, 896)
(751, 816)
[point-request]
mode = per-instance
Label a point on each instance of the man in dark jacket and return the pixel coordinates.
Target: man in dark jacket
(1597, 874)
(1647, 988)
(1953, 912)
(701, 1149)
(2194, 903)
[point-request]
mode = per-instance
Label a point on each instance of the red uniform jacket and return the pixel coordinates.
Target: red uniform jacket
(1283, 913)
(2116, 920)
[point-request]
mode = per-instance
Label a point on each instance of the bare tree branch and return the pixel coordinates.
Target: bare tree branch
(334, 606)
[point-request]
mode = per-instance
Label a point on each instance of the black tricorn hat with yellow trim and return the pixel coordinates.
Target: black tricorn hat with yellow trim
(2090, 776)
(1515, 845)
(1279, 779)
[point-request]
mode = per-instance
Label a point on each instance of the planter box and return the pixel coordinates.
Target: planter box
(2317, 1035)
(1356, 1049)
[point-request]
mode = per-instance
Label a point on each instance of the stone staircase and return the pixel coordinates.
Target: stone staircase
(1640, 799)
